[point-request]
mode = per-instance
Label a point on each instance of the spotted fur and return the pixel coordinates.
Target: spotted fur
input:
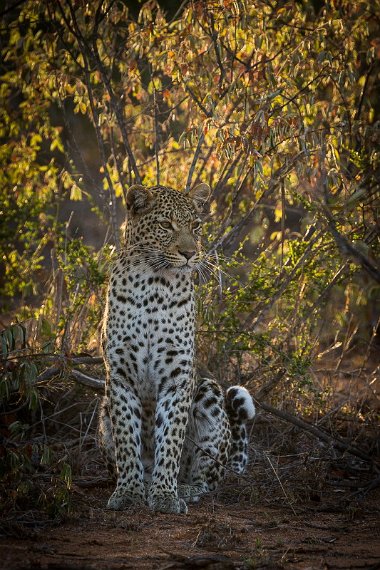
(168, 431)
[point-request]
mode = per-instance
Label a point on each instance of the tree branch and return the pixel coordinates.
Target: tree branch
(194, 162)
(347, 248)
(336, 442)
(96, 383)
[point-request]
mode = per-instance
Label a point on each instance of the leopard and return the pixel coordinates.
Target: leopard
(168, 431)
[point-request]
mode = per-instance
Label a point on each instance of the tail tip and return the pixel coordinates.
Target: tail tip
(240, 402)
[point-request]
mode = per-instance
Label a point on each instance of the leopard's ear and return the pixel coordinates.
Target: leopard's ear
(200, 196)
(139, 199)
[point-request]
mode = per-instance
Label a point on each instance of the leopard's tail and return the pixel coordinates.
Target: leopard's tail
(240, 408)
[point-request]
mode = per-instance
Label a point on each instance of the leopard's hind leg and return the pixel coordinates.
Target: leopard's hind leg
(207, 442)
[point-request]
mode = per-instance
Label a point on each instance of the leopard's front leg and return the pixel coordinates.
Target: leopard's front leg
(125, 414)
(171, 419)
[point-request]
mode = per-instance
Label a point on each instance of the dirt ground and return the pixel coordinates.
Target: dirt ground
(302, 505)
(230, 530)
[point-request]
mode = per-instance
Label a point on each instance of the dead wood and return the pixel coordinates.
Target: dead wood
(335, 441)
(82, 378)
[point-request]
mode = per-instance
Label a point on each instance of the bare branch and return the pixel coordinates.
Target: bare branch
(271, 384)
(118, 165)
(194, 162)
(156, 129)
(335, 441)
(207, 113)
(96, 383)
(214, 38)
(347, 248)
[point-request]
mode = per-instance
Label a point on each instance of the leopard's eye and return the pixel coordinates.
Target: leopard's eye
(166, 225)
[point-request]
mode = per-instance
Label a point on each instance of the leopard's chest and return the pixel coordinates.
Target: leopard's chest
(150, 326)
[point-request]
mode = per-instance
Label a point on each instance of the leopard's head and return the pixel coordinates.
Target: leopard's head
(163, 226)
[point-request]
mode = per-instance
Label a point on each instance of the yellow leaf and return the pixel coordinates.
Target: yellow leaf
(278, 213)
(76, 193)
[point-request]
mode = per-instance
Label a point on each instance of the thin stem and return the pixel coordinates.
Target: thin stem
(156, 133)
(194, 162)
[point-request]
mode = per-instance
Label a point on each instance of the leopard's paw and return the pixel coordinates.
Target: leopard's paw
(124, 498)
(192, 493)
(167, 504)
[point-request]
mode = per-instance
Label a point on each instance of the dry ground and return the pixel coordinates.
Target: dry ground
(235, 529)
(303, 504)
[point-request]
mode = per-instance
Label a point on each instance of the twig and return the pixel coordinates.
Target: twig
(214, 38)
(223, 240)
(88, 427)
(194, 162)
(96, 119)
(220, 279)
(119, 115)
(279, 480)
(370, 347)
(363, 93)
(196, 100)
(268, 387)
(329, 286)
(85, 359)
(235, 197)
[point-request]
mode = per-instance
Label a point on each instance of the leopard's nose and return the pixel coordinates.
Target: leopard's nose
(187, 253)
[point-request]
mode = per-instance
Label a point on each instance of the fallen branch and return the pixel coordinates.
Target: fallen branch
(61, 361)
(55, 357)
(48, 373)
(336, 442)
(178, 561)
(94, 482)
(85, 359)
(97, 383)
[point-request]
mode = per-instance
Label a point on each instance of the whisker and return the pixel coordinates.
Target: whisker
(216, 267)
